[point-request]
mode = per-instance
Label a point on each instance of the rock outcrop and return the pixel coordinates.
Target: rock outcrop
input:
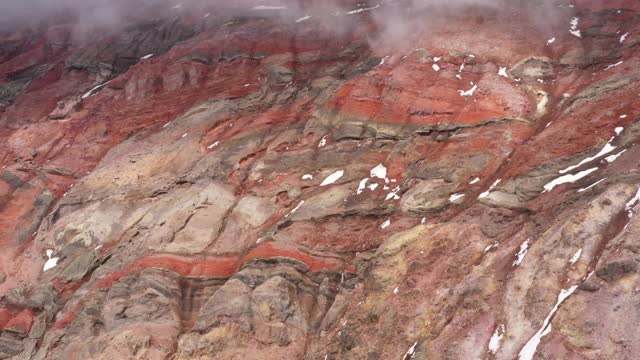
(371, 181)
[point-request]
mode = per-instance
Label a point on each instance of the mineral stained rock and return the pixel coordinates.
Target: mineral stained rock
(354, 180)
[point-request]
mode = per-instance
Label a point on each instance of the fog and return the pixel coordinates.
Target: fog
(390, 15)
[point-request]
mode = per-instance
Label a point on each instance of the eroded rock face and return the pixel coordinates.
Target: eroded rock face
(275, 186)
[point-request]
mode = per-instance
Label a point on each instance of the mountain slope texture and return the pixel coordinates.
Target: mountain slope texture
(315, 180)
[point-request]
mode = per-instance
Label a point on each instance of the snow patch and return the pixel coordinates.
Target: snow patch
(51, 261)
(524, 247)
(614, 157)
(410, 352)
(356, 11)
(323, 141)
(304, 18)
(605, 150)
(146, 56)
(574, 27)
(269, 7)
(568, 179)
(474, 181)
(468, 92)
(613, 65)
(213, 145)
(529, 349)
(332, 178)
(307, 177)
(592, 185)
(551, 41)
(385, 224)
(393, 194)
(575, 257)
(90, 92)
(490, 247)
(633, 202)
(455, 197)
(493, 186)
(379, 171)
(362, 186)
(435, 67)
(295, 208)
(494, 343)
(502, 71)
(623, 37)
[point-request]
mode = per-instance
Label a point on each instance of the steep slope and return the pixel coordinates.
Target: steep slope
(388, 181)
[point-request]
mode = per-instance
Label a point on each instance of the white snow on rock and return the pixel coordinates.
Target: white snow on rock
(605, 150)
(613, 65)
(524, 247)
(551, 41)
(435, 67)
(269, 7)
(502, 71)
(385, 224)
(474, 181)
(332, 178)
(51, 261)
(304, 18)
(393, 194)
(494, 343)
(623, 116)
(323, 141)
(529, 349)
(493, 186)
(206, 15)
(623, 37)
(185, 134)
(295, 208)
(574, 27)
(592, 185)
(176, 6)
(307, 177)
(90, 92)
(468, 92)
(568, 179)
(633, 202)
(490, 247)
(146, 56)
(362, 9)
(395, 291)
(575, 257)
(373, 186)
(213, 145)
(410, 352)
(362, 186)
(167, 124)
(614, 157)
(379, 172)
(455, 197)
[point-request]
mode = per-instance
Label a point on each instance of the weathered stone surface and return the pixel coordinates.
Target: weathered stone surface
(375, 181)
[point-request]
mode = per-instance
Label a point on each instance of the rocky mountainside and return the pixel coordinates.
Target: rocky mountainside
(380, 180)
